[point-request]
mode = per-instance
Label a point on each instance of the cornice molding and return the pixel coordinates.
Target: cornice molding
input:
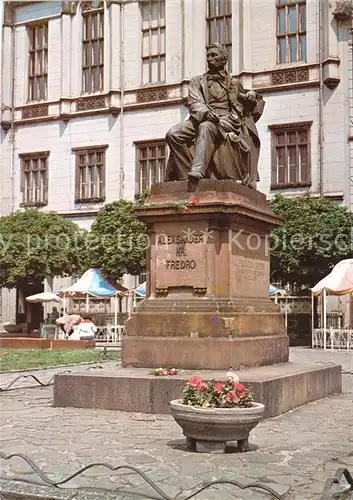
(35, 154)
(290, 125)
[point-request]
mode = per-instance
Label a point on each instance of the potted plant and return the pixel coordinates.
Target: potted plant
(213, 412)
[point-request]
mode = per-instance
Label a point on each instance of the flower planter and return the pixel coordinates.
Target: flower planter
(207, 430)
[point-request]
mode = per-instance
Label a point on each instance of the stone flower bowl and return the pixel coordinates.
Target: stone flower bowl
(207, 430)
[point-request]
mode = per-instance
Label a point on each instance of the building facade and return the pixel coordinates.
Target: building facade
(89, 89)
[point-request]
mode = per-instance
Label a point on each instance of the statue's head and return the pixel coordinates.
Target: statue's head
(216, 57)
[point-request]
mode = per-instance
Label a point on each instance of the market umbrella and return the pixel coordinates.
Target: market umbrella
(43, 297)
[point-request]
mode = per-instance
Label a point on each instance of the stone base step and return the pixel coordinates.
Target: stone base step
(281, 387)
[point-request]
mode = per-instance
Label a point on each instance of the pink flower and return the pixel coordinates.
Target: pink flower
(231, 397)
(218, 387)
(195, 380)
(239, 387)
(202, 386)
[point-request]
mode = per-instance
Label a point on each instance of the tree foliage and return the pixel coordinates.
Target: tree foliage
(117, 241)
(316, 234)
(36, 244)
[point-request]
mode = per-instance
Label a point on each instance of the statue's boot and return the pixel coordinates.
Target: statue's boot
(195, 174)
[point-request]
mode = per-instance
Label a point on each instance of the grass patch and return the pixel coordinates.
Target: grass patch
(23, 359)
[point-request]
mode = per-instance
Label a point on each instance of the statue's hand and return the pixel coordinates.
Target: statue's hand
(211, 116)
(251, 96)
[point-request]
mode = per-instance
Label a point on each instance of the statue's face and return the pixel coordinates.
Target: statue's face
(215, 60)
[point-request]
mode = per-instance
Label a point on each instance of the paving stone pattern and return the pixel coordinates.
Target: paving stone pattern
(296, 451)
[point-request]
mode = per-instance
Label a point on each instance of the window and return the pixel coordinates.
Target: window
(151, 161)
(90, 174)
(38, 62)
(92, 48)
(291, 162)
(291, 31)
(34, 178)
(219, 25)
(153, 40)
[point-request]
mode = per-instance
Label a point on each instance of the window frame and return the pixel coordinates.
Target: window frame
(160, 56)
(38, 54)
(87, 14)
(304, 170)
(43, 185)
(159, 175)
(285, 5)
(214, 19)
(100, 182)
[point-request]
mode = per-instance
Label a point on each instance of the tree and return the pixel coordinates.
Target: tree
(117, 241)
(316, 234)
(35, 245)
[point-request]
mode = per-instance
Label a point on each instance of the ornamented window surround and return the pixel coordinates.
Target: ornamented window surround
(86, 9)
(286, 128)
(32, 75)
(283, 5)
(89, 149)
(40, 155)
(160, 55)
(214, 18)
(139, 145)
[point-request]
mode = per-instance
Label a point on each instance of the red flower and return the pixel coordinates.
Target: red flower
(240, 387)
(186, 209)
(202, 386)
(195, 380)
(218, 387)
(231, 397)
(194, 201)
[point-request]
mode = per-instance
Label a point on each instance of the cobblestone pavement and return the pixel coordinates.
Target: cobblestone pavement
(296, 451)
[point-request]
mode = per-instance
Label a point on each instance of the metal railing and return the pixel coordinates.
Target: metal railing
(330, 490)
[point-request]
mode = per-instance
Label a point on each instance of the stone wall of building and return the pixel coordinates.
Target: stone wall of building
(126, 111)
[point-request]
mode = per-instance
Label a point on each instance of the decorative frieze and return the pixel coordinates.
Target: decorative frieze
(35, 111)
(148, 95)
(287, 76)
(88, 103)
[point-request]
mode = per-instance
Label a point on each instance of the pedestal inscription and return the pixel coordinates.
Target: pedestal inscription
(250, 266)
(180, 256)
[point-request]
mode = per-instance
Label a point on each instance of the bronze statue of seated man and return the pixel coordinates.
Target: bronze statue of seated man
(220, 130)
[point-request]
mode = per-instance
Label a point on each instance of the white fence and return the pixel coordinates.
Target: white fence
(108, 334)
(333, 338)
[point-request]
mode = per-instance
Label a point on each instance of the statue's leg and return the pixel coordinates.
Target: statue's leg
(178, 139)
(207, 136)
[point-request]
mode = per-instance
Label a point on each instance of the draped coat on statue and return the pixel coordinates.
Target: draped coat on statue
(237, 152)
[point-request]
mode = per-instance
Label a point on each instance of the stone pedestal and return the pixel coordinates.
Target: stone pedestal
(207, 303)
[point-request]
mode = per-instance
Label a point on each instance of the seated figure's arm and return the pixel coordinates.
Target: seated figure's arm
(251, 100)
(196, 101)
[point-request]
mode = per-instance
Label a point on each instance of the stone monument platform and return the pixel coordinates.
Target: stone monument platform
(207, 309)
(281, 387)
(208, 304)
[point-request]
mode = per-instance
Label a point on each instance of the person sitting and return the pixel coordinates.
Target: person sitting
(85, 330)
(67, 323)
